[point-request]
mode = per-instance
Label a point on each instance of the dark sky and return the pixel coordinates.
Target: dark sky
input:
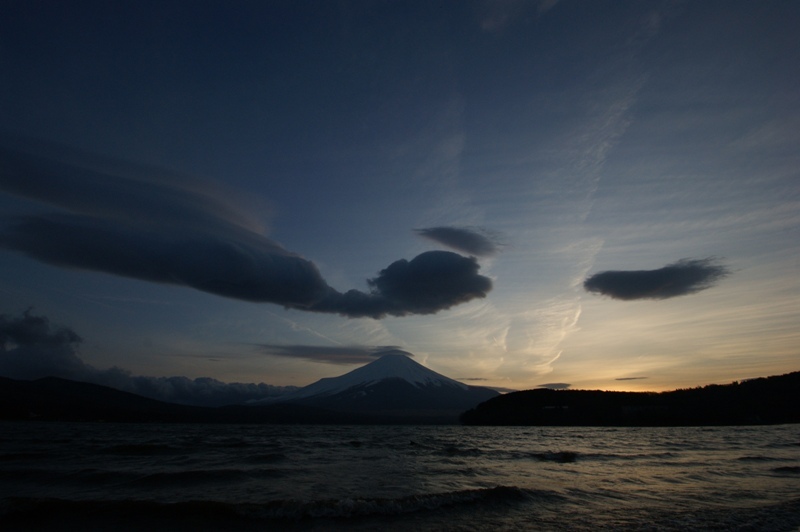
(576, 192)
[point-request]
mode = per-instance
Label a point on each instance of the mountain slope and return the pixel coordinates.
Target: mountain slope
(386, 367)
(393, 385)
(55, 399)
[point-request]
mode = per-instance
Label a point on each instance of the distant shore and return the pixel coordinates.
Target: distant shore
(770, 400)
(761, 401)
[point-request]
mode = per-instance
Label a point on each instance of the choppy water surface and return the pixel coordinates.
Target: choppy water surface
(118, 476)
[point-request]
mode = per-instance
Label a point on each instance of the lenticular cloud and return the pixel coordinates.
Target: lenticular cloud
(152, 225)
(687, 276)
(474, 241)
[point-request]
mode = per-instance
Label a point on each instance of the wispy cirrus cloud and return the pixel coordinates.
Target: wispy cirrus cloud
(686, 276)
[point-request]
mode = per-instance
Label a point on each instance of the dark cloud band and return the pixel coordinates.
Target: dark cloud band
(162, 230)
(248, 269)
(686, 276)
(332, 355)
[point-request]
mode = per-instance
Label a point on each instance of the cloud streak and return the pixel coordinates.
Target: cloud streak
(686, 276)
(555, 385)
(32, 348)
(139, 223)
(332, 355)
(478, 242)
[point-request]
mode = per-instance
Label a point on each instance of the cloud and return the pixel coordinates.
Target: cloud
(474, 241)
(235, 266)
(333, 355)
(202, 391)
(499, 389)
(686, 276)
(32, 348)
(630, 378)
(103, 187)
(147, 224)
(430, 282)
(555, 385)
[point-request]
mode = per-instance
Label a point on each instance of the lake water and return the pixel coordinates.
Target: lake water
(254, 477)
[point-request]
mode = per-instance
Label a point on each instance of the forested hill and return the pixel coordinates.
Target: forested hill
(769, 400)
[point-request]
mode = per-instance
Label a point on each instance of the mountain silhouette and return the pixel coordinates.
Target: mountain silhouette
(393, 386)
(392, 389)
(769, 400)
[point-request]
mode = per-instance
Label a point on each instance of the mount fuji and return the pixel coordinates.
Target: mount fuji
(392, 387)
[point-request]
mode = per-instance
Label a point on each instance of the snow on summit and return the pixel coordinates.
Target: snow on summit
(389, 366)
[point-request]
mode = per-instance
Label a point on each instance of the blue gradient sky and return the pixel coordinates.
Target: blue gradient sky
(575, 136)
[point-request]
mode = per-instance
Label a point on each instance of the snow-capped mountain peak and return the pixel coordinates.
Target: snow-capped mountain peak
(389, 366)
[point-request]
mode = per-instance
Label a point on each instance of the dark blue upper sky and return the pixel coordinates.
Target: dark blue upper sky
(443, 177)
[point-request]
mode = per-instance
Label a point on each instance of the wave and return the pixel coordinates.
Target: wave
(558, 456)
(232, 443)
(266, 458)
(561, 457)
(141, 449)
(787, 469)
(783, 444)
(451, 451)
(32, 512)
(759, 458)
(85, 476)
(364, 507)
(565, 457)
(92, 477)
(12, 457)
(454, 450)
(202, 476)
